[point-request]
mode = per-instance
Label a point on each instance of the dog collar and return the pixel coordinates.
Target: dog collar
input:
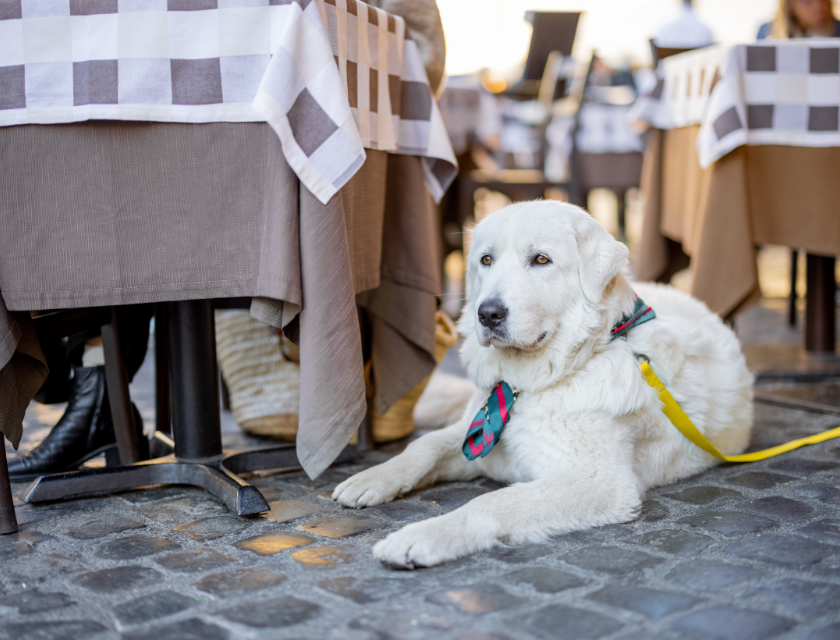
(641, 313)
(486, 427)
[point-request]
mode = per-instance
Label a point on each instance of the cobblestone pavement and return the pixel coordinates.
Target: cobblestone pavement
(739, 552)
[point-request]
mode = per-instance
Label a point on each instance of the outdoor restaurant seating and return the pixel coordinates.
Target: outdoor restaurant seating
(719, 196)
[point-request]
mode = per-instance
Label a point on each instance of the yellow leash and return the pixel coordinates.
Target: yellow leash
(683, 423)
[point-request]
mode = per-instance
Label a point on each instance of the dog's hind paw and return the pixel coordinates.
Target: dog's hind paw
(422, 544)
(372, 486)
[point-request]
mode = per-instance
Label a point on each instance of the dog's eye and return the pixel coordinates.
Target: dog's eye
(541, 259)
(487, 260)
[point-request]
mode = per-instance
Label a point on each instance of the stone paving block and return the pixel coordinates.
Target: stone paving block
(190, 629)
(20, 544)
(194, 561)
(238, 581)
(517, 555)
(339, 526)
(286, 510)
(48, 565)
(544, 580)
(777, 507)
(652, 511)
(803, 467)
(703, 494)
(482, 635)
(402, 625)
(792, 551)
(34, 600)
(712, 575)
(822, 531)
(559, 622)
(370, 590)
(729, 623)
(673, 541)
(729, 522)
(649, 602)
(117, 579)
(831, 632)
(274, 543)
(799, 597)
(825, 493)
(213, 527)
(325, 557)
(759, 479)
(283, 611)
(403, 510)
(56, 630)
(104, 526)
(478, 598)
(136, 546)
(611, 559)
(151, 607)
(154, 494)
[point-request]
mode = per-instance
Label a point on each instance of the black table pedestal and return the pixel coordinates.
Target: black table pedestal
(198, 459)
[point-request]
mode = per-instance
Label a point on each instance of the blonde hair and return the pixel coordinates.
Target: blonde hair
(785, 25)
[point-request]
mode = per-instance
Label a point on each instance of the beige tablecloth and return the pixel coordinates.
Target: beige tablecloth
(112, 213)
(767, 194)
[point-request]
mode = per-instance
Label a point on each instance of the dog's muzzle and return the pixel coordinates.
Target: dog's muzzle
(492, 313)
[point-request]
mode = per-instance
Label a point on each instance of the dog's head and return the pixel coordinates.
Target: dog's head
(540, 285)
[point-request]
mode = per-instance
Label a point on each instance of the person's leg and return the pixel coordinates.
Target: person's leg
(86, 430)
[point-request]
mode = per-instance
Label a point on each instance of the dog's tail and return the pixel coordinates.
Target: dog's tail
(443, 401)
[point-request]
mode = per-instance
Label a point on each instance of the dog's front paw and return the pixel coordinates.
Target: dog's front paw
(422, 544)
(376, 485)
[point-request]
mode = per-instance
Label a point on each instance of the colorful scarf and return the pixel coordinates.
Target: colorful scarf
(487, 425)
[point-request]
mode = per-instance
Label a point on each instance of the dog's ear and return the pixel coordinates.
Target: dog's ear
(600, 258)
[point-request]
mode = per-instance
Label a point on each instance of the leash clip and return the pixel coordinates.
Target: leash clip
(642, 356)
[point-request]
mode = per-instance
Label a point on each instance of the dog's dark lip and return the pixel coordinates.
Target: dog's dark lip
(542, 337)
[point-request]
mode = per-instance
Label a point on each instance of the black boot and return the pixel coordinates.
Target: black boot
(84, 431)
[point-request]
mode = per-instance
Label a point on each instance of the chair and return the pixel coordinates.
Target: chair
(552, 31)
(528, 184)
(53, 326)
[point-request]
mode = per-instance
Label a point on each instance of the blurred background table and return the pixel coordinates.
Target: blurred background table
(743, 152)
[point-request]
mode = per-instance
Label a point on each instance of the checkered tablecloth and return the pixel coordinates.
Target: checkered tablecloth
(774, 92)
(332, 77)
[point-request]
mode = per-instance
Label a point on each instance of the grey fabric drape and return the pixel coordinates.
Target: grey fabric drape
(107, 213)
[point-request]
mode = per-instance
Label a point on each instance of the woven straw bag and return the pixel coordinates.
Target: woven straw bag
(264, 385)
(264, 379)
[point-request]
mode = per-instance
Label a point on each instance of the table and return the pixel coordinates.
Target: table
(727, 168)
(97, 212)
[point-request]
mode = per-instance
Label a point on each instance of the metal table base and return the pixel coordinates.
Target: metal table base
(198, 457)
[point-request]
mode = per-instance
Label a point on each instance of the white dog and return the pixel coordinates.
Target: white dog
(587, 436)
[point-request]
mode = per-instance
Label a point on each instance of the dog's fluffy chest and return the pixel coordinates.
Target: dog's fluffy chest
(546, 431)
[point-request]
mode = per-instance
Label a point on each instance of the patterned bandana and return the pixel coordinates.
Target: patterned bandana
(487, 425)
(486, 428)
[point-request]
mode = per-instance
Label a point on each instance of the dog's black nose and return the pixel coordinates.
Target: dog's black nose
(492, 313)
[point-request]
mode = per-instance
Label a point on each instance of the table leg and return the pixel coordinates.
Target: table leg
(196, 423)
(621, 197)
(8, 522)
(163, 396)
(820, 305)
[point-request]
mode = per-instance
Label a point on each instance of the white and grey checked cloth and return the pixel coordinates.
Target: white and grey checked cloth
(774, 92)
(331, 77)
